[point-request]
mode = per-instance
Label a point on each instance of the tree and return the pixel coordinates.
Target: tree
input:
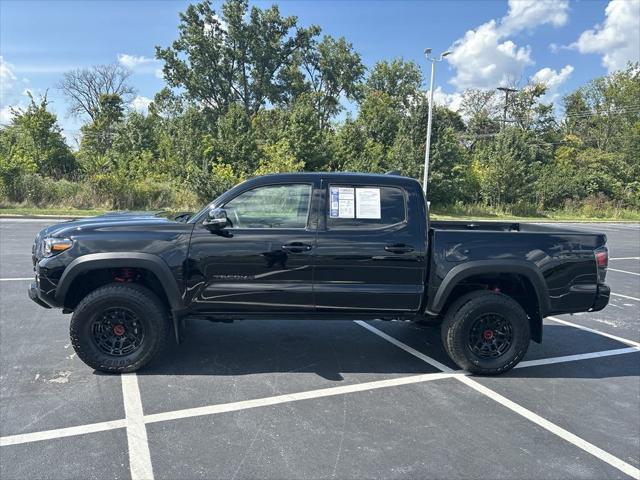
(481, 108)
(333, 70)
(508, 168)
(234, 142)
(305, 135)
(97, 136)
(604, 111)
(243, 57)
(83, 87)
(399, 79)
(33, 143)
(278, 158)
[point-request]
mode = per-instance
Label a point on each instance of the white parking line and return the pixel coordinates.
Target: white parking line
(140, 463)
(625, 296)
(574, 358)
(61, 432)
(140, 458)
(139, 455)
(293, 397)
(625, 258)
(597, 332)
(553, 428)
(623, 271)
(405, 347)
(19, 279)
(520, 410)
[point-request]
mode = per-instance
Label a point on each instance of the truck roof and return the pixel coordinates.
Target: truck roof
(339, 176)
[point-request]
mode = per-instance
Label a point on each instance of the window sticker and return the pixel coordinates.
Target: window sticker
(368, 203)
(342, 202)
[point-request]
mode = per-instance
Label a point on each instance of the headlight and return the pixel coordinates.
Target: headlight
(52, 246)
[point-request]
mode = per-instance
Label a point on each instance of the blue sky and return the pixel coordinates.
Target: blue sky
(564, 43)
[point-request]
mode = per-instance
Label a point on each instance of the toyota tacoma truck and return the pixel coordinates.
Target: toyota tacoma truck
(314, 246)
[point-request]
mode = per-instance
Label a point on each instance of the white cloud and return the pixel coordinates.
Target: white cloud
(7, 80)
(453, 101)
(5, 115)
(11, 95)
(158, 73)
(133, 61)
(552, 80)
(618, 39)
(482, 60)
(486, 57)
(528, 14)
(140, 104)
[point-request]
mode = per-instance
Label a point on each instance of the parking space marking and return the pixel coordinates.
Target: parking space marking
(293, 397)
(405, 347)
(625, 258)
(131, 397)
(519, 409)
(625, 296)
(61, 432)
(15, 279)
(553, 428)
(577, 357)
(597, 332)
(623, 271)
(139, 454)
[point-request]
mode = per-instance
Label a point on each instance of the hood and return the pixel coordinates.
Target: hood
(107, 219)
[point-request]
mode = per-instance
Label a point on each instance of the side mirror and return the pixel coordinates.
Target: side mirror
(216, 218)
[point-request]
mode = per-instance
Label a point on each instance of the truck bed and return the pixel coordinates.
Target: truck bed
(491, 226)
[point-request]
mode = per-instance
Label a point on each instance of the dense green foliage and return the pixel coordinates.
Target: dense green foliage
(251, 92)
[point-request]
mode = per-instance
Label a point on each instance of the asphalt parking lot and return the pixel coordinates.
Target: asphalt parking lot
(303, 399)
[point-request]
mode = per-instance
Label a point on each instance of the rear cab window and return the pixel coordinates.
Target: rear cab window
(365, 207)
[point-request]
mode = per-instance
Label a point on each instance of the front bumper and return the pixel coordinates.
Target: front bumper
(34, 294)
(602, 298)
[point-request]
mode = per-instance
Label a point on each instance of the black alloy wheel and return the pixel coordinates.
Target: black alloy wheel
(117, 331)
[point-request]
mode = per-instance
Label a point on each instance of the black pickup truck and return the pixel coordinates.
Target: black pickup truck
(314, 245)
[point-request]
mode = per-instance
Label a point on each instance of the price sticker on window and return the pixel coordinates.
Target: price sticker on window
(368, 203)
(342, 202)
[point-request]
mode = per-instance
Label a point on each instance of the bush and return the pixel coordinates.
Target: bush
(107, 190)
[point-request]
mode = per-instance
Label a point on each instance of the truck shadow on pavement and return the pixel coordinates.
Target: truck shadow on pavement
(332, 349)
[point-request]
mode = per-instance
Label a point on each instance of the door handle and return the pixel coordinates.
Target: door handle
(399, 248)
(296, 247)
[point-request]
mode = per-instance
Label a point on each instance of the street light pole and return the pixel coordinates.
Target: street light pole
(427, 148)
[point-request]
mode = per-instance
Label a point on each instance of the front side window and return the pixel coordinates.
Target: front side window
(273, 206)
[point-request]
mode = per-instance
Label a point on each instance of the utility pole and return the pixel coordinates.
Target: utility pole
(427, 53)
(506, 91)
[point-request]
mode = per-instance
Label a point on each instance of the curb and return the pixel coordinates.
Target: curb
(10, 216)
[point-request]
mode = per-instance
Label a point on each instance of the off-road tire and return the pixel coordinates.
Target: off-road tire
(149, 310)
(459, 320)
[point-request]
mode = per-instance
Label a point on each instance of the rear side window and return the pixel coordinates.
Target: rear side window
(364, 207)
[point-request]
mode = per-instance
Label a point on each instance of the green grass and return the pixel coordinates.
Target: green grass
(482, 212)
(466, 212)
(34, 211)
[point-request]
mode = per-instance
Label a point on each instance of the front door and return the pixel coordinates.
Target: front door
(260, 262)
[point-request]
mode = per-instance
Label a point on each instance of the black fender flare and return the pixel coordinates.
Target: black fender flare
(478, 267)
(147, 261)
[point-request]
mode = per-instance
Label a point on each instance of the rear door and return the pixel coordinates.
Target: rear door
(370, 252)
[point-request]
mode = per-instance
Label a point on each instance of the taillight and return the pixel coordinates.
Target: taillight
(602, 262)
